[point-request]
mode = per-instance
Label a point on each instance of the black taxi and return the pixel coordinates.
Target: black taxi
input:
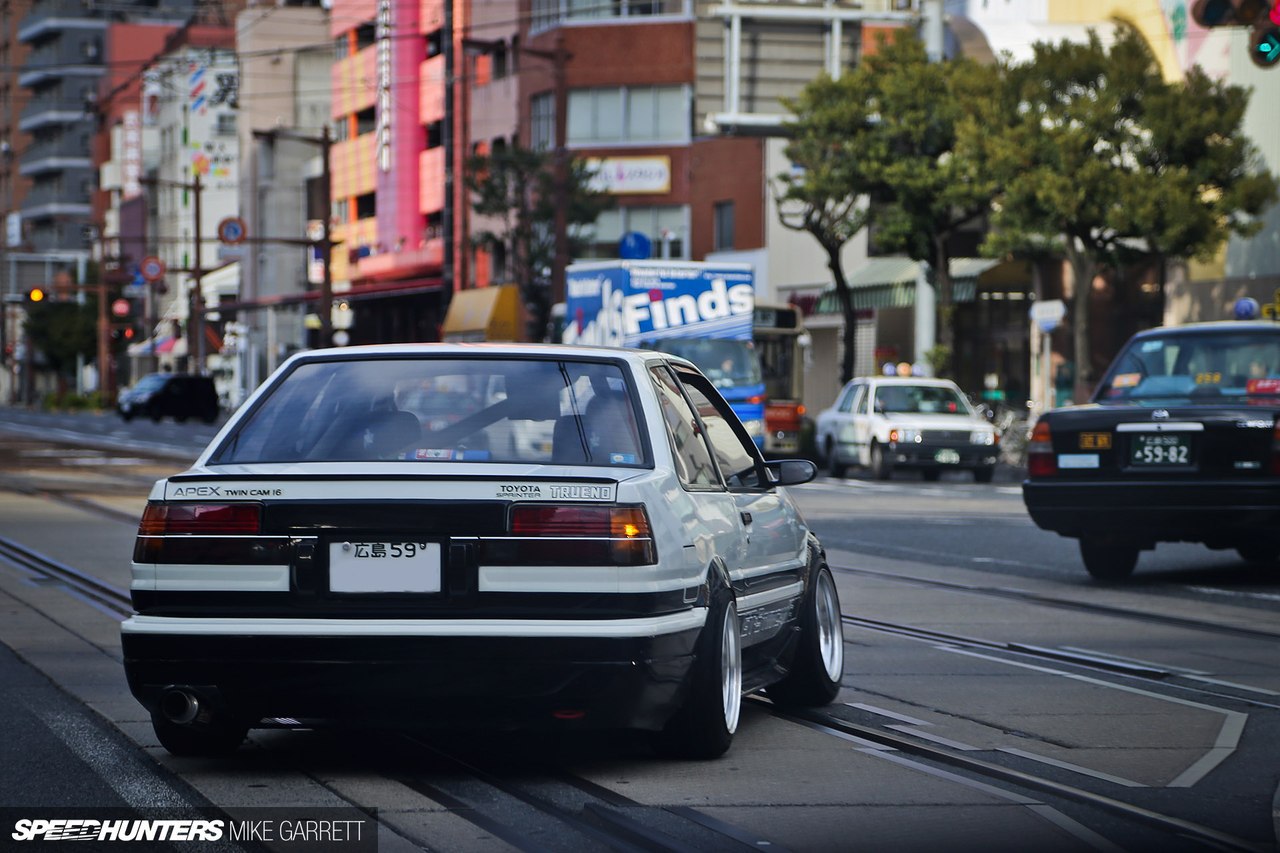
(1180, 442)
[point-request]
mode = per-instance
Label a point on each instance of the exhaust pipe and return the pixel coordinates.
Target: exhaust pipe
(179, 705)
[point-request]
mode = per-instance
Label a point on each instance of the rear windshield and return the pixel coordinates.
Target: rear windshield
(921, 399)
(443, 410)
(1196, 368)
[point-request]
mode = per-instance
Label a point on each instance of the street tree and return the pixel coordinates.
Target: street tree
(926, 190)
(514, 188)
(823, 194)
(1099, 152)
(64, 332)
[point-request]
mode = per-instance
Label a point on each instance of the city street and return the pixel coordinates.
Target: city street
(994, 697)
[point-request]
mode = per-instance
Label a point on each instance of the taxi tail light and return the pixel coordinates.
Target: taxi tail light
(576, 534)
(1041, 461)
(161, 520)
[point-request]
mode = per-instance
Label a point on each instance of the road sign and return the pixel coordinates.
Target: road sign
(231, 231)
(1048, 313)
(152, 268)
(635, 246)
(120, 308)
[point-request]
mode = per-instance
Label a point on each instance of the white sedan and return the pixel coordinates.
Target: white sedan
(887, 422)
(479, 535)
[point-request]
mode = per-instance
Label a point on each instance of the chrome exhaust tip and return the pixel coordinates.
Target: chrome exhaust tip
(180, 706)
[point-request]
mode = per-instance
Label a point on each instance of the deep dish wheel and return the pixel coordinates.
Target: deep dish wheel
(703, 728)
(818, 665)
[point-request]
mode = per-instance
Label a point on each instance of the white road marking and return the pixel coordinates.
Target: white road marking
(1228, 736)
(932, 738)
(113, 764)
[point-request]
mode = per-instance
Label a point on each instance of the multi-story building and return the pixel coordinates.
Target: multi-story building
(388, 165)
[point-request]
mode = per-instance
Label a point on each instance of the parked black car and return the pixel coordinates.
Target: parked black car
(1180, 442)
(176, 395)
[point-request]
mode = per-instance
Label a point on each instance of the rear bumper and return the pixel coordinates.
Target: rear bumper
(1153, 511)
(415, 672)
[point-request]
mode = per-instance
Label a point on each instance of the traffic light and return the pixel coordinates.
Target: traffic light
(1262, 15)
(35, 295)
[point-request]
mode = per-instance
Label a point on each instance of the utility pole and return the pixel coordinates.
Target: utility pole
(195, 309)
(558, 57)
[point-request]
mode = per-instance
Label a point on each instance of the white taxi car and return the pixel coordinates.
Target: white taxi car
(888, 422)
(385, 534)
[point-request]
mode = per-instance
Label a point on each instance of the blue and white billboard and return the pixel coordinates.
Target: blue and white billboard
(628, 303)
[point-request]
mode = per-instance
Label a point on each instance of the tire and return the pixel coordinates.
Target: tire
(881, 468)
(1105, 561)
(815, 674)
(1259, 553)
(984, 474)
(931, 475)
(154, 413)
(180, 418)
(210, 740)
(703, 728)
(834, 465)
(126, 416)
(209, 417)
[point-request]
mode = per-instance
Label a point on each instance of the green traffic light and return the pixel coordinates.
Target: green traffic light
(1264, 47)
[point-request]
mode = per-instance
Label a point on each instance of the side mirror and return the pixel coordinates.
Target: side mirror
(791, 472)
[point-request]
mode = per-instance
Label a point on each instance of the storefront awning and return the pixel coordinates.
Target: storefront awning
(891, 283)
(484, 314)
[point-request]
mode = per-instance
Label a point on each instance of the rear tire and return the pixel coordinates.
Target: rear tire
(983, 475)
(219, 737)
(834, 465)
(881, 468)
(1106, 561)
(931, 475)
(815, 674)
(703, 728)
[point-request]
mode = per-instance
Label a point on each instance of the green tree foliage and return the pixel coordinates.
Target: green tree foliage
(62, 331)
(1093, 149)
(822, 195)
(515, 187)
(879, 144)
(926, 190)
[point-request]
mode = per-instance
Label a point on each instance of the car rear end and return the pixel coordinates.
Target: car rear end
(438, 581)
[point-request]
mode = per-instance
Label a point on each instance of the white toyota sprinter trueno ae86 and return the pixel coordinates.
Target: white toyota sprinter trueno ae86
(479, 535)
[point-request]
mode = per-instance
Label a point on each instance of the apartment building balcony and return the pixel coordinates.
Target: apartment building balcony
(53, 17)
(70, 56)
(55, 156)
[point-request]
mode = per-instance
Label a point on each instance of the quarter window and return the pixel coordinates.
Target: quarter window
(734, 451)
(692, 458)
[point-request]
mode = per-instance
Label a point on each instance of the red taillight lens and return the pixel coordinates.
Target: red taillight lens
(1041, 461)
(204, 519)
(572, 534)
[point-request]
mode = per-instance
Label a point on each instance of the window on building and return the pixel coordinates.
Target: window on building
(226, 124)
(340, 47)
(366, 206)
(366, 121)
(435, 226)
(549, 13)
(341, 131)
(342, 210)
(722, 225)
(499, 61)
(542, 121)
(629, 114)
(366, 35)
(435, 134)
(435, 41)
(666, 226)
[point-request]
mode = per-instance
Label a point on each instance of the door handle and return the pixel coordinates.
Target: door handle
(746, 517)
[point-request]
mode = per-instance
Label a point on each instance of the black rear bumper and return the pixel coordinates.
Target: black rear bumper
(457, 682)
(1220, 512)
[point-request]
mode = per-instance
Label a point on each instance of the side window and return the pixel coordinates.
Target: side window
(859, 393)
(846, 399)
(732, 447)
(864, 400)
(692, 458)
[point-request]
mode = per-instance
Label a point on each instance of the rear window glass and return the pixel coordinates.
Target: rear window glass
(444, 410)
(1200, 367)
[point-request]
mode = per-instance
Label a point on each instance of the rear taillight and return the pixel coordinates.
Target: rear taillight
(575, 535)
(1041, 461)
(204, 533)
(206, 519)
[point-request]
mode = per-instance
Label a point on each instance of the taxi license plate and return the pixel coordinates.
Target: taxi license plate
(947, 457)
(384, 566)
(1155, 450)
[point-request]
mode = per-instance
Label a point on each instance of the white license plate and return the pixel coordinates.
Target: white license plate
(947, 457)
(384, 566)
